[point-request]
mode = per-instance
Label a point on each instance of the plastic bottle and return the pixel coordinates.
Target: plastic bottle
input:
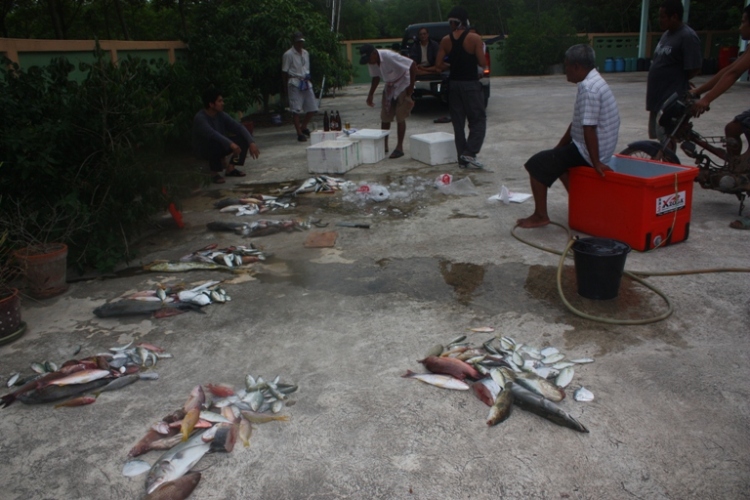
(326, 122)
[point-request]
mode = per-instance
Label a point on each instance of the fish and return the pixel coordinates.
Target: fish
(81, 377)
(127, 307)
(119, 383)
(220, 390)
(553, 358)
(450, 366)
(13, 379)
(501, 408)
(179, 489)
(213, 417)
(565, 377)
(166, 443)
(548, 351)
(582, 361)
(176, 462)
(192, 409)
(535, 403)
(135, 468)
(482, 329)
(180, 267)
(259, 418)
(143, 445)
(188, 423)
(442, 381)
(52, 393)
(541, 386)
(583, 395)
(79, 401)
(486, 390)
(246, 430)
(225, 437)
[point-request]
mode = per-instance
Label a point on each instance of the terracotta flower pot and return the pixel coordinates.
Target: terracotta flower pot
(44, 269)
(11, 326)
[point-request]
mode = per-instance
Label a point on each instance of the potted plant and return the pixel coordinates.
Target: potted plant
(11, 326)
(38, 237)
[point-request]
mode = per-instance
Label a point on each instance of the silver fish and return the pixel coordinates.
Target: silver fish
(565, 377)
(176, 462)
(548, 351)
(442, 381)
(583, 395)
(534, 403)
(552, 359)
(13, 379)
(135, 467)
(541, 386)
(582, 361)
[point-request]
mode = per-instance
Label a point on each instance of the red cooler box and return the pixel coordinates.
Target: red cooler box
(639, 203)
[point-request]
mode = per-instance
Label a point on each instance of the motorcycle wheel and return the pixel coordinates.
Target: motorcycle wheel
(637, 152)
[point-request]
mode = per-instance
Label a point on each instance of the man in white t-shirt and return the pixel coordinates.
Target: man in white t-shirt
(398, 73)
(295, 65)
(591, 137)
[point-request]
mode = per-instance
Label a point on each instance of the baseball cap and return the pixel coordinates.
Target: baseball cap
(366, 50)
(298, 36)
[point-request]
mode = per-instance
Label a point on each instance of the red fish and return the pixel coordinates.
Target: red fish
(450, 366)
(79, 401)
(179, 489)
(220, 390)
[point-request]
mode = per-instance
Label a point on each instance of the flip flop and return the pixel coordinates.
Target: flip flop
(218, 179)
(235, 173)
(741, 223)
(442, 119)
(396, 154)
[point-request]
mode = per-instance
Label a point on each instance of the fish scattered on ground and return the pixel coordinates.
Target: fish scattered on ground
(234, 256)
(223, 415)
(584, 395)
(262, 227)
(165, 302)
(503, 372)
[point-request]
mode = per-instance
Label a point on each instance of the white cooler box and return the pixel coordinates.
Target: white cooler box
(332, 157)
(371, 144)
(320, 136)
(436, 148)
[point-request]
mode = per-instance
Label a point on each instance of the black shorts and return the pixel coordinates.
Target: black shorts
(547, 166)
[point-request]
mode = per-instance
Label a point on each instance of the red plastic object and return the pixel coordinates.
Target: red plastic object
(176, 215)
(638, 204)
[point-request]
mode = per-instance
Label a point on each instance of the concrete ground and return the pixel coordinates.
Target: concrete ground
(671, 414)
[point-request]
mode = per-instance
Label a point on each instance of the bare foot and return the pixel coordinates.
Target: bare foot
(534, 220)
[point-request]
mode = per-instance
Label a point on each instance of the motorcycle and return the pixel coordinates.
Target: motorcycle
(719, 170)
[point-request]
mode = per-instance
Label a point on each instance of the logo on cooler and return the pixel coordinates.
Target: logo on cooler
(670, 203)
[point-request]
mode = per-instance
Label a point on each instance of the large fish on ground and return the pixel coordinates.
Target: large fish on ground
(192, 408)
(535, 403)
(176, 462)
(442, 381)
(128, 307)
(450, 366)
(55, 393)
(500, 409)
(179, 489)
(541, 386)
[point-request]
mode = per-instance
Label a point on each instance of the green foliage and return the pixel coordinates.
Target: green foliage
(538, 40)
(238, 48)
(83, 163)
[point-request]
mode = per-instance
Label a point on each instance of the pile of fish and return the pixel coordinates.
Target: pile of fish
(104, 372)
(263, 227)
(211, 420)
(503, 372)
(164, 301)
(321, 184)
(234, 256)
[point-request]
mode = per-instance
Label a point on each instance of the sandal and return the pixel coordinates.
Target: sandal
(235, 173)
(741, 223)
(218, 179)
(396, 154)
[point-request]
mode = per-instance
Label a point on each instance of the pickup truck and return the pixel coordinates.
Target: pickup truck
(436, 85)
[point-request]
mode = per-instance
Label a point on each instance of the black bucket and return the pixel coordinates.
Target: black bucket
(599, 265)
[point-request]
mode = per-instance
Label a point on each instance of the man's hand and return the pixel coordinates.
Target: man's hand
(699, 107)
(236, 150)
(253, 150)
(369, 101)
(601, 168)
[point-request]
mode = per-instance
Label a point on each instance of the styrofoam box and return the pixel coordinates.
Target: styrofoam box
(332, 157)
(436, 148)
(371, 144)
(320, 136)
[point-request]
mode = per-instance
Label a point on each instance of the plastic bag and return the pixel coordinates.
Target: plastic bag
(461, 187)
(374, 192)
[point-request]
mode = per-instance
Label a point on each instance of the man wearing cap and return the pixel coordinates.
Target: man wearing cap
(398, 73)
(295, 65)
(465, 52)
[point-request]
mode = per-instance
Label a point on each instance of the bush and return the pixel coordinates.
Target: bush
(537, 41)
(90, 155)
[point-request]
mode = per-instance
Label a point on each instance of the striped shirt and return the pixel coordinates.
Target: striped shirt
(595, 105)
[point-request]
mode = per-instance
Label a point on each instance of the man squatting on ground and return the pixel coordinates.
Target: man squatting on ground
(465, 52)
(716, 86)
(398, 73)
(591, 137)
(677, 59)
(212, 129)
(295, 67)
